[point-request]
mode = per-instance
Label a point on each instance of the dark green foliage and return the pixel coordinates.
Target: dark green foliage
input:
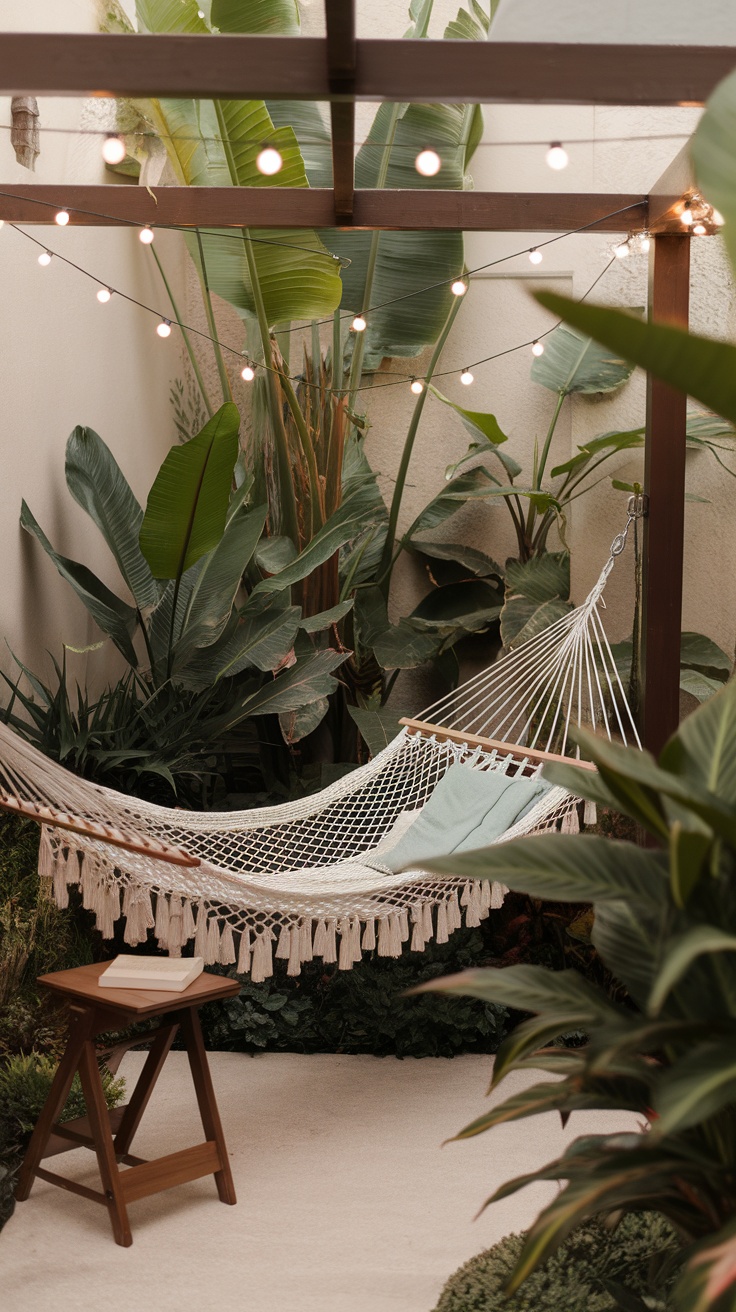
(362, 1010)
(24, 1086)
(589, 1273)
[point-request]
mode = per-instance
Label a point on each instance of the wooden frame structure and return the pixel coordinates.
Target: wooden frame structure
(342, 69)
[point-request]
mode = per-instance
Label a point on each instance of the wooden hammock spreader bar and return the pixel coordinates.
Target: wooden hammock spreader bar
(489, 744)
(47, 815)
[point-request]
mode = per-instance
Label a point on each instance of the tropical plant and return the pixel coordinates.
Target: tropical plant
(665, 926)
(598, 1268)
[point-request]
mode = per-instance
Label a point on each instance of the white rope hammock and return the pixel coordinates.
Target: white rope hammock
(296, 875)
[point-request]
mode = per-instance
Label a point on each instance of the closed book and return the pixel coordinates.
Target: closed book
(162, 974)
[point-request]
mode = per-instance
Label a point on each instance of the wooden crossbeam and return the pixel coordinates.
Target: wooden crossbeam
(289, 207)
(103, 833)
(296, 68)
(533, 754)
(341, 63)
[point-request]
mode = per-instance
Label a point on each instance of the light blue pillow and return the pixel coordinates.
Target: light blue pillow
(468, 809)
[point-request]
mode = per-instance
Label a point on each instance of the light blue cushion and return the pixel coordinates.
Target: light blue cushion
(468, 809)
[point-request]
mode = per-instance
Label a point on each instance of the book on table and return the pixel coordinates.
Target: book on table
(164, 974)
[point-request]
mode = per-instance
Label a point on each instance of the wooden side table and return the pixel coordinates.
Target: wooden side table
(92, 1011)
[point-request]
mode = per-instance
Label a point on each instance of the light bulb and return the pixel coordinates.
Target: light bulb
(428, 163)
(200, 13)
(537, 348)
(459, 287)
(417, 387)
(466, 377)
(557, 156)
(62, 218)
(146, 235)
(44, 258)
(359, 324)
(699, 229)
(687, 215)
(718, 218)
(164, 328)
(104, 295)
(2, 223)
(248, 373)
(622, 251)
(269, 161)
(645, 242)
(113, 149)
(535, 256)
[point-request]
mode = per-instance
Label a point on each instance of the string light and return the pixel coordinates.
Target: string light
(44, 258)
(466, 377)
(428, 163)
(699, 229)
(164, 328)
(62, 218)
(623, 250)
(113, 149)
(359, 324)
(718, 218)
(248, 373)
(269, 161)
(417, 386)
(104, 295)
(459, 287)
(557, 157)
(687, 214)
(537, 348)
(535, 256)
(146, 235)
(645, 242)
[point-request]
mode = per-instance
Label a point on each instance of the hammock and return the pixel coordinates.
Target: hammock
(307, 875)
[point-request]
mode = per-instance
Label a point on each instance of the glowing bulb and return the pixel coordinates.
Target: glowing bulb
(428, 163)
(113, 149)
(537, 348)
(466, 377)
(557, 156)
(359, 324)
(622, 251)
(248, 373)
(62, 218)
(2, 223)
(44, 258)
(146, 235)
(700, 229)
(687, 215)
(535, 256)
(645, 242)
(164, 328)
(104, 295)
(459, 287)
(269, 161)
(718, 218)
(200, 13)
(417, 387)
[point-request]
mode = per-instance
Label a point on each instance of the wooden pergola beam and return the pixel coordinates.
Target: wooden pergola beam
(296, 207)
(341, 65)
(298, 68)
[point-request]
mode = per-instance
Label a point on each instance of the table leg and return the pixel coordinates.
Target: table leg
(81, 1022)
(99, 1123)
(211, 1123)
(157, 1055)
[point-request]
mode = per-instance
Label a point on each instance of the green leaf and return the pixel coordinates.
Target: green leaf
(377, 728)
(98, 485)
(326, 618)
(211, 601)
(700, 366)
(522, 620)
(703, 751)
(709, 1282)
(346, 523)
(261, 640)
(607, 442)
(543, 578)
(701, 653)
(279, 17)
(530, 988)
(274, 554)
(295, 725)
(403, 647)
(699, 685)
(476, 484)
(696, 1086)
(115, 617)
(188, 502)
(308, 681)
(688, 853)
(714, 159)
(477, 562)
(486, 433)
(573, 362)
(567, 868)
(680, 954)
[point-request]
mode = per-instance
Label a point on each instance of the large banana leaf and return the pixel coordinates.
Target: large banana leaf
(115, 617)
(258, 639)
(211, 601)
(97, 483)
(279, 17)
(573, 362)
(188, 502)
(714, 158)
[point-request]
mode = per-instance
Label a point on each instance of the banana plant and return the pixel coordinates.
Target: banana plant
(665, 926)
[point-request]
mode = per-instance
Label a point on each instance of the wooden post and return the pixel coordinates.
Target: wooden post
(664, 483)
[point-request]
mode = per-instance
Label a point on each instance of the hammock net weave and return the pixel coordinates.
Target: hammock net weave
(292, 881)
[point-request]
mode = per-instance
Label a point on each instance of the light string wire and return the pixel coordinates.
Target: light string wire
(348, 314)
(297, 378)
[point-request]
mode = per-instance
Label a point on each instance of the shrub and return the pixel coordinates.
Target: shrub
(588, 1273)
(24, 1086)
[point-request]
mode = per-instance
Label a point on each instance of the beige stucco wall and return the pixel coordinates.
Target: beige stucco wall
(69, 360)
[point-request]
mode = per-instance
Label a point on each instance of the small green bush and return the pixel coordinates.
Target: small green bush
(599, 1268)
(25, 1083)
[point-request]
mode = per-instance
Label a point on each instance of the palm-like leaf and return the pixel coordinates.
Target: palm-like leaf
(573, 362)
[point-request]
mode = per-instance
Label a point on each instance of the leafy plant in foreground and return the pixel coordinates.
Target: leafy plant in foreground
(665, 926)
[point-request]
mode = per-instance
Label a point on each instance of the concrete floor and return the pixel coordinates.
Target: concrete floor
(346, 1200)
